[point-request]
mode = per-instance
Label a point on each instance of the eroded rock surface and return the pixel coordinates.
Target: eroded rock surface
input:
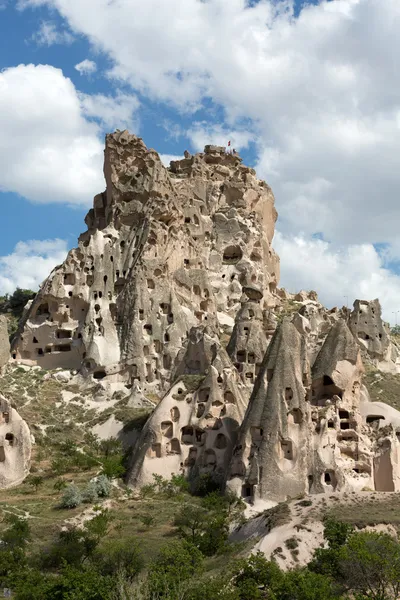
(15, 446)
(165, 251)
(4, 342)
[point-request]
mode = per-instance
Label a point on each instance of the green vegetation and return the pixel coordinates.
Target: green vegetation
(84, 563)
(13, 307)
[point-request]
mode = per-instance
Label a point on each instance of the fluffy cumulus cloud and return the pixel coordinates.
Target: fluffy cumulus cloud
(51, 147)
(30, 263)
(319, 90)
(86, 67)
(338, 274)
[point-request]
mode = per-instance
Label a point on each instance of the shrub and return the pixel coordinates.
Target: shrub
(90, 493)
(71, 497)
(103, 486)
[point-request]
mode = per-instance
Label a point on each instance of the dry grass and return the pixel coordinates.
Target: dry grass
(383, 387)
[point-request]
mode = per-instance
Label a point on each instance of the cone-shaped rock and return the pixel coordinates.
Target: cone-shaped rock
(195, 426)
(271, 458)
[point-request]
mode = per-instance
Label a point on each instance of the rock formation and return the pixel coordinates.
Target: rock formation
(372, 334)
(303, 432)
(171, 294)
(194, 428)
(4, 342)
(15, 446)
(165, 251)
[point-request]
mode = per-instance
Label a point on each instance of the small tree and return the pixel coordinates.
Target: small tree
(35, 481)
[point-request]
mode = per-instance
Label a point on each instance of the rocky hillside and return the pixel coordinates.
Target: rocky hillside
(162, 350)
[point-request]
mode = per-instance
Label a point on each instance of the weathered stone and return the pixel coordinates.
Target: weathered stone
(163, 253)
(15, 446)
(4, 342)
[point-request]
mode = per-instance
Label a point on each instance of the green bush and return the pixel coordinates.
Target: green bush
(89, 494)
(103, 486)
(71, 497)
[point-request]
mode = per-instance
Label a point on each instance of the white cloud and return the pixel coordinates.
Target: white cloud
(30, 263)
(48, 34)
(202, 133)
(354, 271)
(86, 67)
(166, 158)
(117, 111)
(320, 91)
(50, 148)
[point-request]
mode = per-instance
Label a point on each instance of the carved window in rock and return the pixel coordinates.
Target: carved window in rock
(167, 429)
(210, 458)
(287, 449)
(329, 478)
(241, 356)
(148, 329)
(197, 290)
(43, 309)
(288, 394)
(200, 410)
(296, 416)
(2, 454)
(374, 421)
(64, 348)
(247, 490)
(251, 358)
(154, 451)
(256, 435)
(69, 279)
(175, 414)
(174, 447)
(187, 435)
(99, 375)
(199, 436)
(204, 395)
(6, 417)
(165, 308)
(64, 334)
(232, 255)
(10, 438)
(331, 424)
(344, 414)
(220, 442)
(250, 376)
(191, 459)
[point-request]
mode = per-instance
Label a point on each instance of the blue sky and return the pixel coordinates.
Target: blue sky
(306, 90)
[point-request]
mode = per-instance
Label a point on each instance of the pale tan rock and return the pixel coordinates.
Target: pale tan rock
(165, 251)
(4, 342)
(15, 446)
(194, 428)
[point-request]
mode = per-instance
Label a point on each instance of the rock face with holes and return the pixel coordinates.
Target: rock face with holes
(303, 431)
(373, 335)
(194, 428)
(4, 342)
(165, 250)
(15, 446)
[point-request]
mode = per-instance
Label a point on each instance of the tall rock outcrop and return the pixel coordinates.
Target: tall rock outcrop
(194, 428)
(270, 460)
(373, 335)
(165, 250)
(303, 431)
(15, 446)
(4, 342)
